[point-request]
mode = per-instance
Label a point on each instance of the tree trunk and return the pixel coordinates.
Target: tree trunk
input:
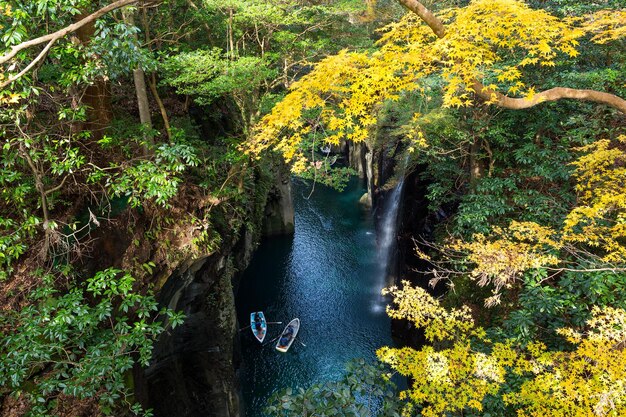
(142, 97)
(477, 169)
(231, 41)
(152, 79)
(143, 104)
(139, 77)
(97, 97)
(155, 93)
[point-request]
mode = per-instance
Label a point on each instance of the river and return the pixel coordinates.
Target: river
(328, 274)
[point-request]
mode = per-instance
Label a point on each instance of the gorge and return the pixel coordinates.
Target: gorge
(169, 166)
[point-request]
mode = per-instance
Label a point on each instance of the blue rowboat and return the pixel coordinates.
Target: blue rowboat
(258, 325)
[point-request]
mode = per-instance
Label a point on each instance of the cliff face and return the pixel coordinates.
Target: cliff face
(279, 212)
(192, 370)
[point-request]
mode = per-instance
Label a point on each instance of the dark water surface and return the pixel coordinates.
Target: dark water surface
(328, 275)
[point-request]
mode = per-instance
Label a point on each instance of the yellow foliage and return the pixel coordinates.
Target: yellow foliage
(9, 98)
(597, 221)
(339, 98)
(600, 218)
(606, 25)
(480, 35)
(505, 255)
(339, 95)
(416, 305)
(589, 380)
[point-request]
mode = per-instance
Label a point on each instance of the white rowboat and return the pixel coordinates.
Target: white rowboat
(288, 336)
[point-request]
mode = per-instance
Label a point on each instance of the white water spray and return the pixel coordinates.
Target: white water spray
(389, 228)
(388, 243)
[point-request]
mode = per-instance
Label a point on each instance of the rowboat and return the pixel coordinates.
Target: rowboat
(258, 325)
(288, 336)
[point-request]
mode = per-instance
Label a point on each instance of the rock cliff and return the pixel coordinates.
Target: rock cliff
(192, 370)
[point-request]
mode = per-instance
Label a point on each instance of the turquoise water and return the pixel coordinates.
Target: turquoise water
(328, 275)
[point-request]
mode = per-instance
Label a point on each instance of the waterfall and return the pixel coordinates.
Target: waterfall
(389, 229)
(387, 246)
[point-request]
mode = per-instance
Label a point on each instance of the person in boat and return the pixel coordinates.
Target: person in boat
(258, 322)
(284, 339)
(287, 335)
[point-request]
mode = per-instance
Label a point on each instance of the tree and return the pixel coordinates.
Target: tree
(79, 344)
(468, 372)
(541, 52)
(208, 75)
(492, 40)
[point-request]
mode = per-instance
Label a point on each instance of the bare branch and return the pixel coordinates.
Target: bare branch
(552, 94)
(53, 37)
(34, 62)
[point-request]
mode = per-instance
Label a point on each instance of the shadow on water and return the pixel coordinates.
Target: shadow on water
(328, 275)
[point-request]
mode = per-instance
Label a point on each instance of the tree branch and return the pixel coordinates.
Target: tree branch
(38, 176)
(53, 37)
(505, 101)
(58, 187)
(552, 94)
(34, 62)
(426, 15)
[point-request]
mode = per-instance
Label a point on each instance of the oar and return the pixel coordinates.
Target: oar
(269, 322)
(271, 341)
(302, 343)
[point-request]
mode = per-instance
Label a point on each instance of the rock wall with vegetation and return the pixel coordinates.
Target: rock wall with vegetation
(192, 371)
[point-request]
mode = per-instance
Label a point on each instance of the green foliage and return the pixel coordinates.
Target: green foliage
(323, 172)
(263, 13)
(543, 309)
(365, 390)
(118, 48)
(80, 343)
(152, 179)
(489, 201)
(13, 239)
(525, 159)
(209, 75)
